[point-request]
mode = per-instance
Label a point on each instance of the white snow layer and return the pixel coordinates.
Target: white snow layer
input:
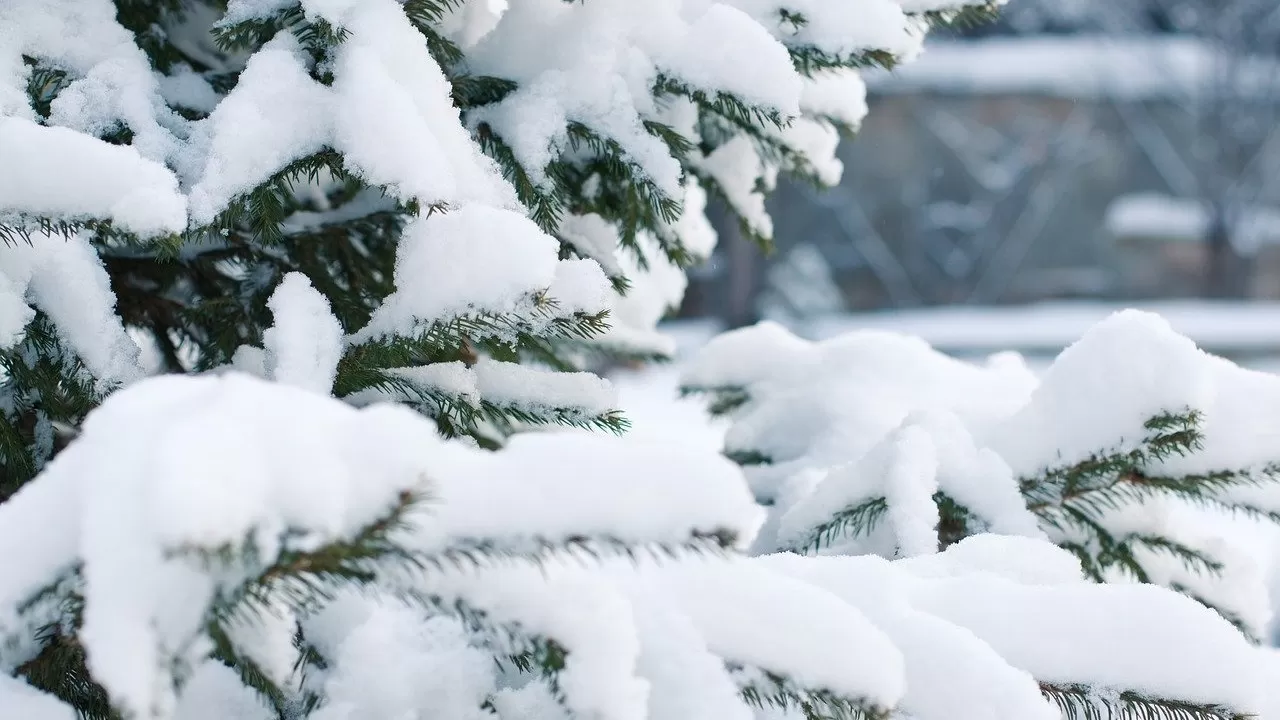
(874, 415)
(219, 461)
(175, 465)
(480, 260)
(305, 343)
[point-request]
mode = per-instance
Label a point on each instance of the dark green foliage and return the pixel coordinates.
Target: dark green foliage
(60, 667)
(51, 393)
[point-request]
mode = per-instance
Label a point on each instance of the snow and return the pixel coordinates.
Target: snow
(395, 121)
(24, 701)
(388, 111)
(737, 170)
(54, 171)
(996, 631)
(856, 420)
(42, 272)
(284, 459)
(275, 114)
(1207, 662)
(633, 555)
(1121, 373)
(110, 78)
(647, 636)
(816, 403)
(475, 259)
(799, 631)
(1160, 217)
(436, 673)
(535, 389)
(594, 237)
(838, 95)
(596, 63)
(746, 62)
(239, 11)
(580, 286)
(627, 489)
(839, 29)
(214, 692)
(305, 343)
(185, 88)
(451, 378)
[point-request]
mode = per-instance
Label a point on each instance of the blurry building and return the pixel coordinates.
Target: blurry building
(1014, 169)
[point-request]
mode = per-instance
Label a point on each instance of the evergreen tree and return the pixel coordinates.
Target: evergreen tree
(450, 206)
(184, 158)
(874, 442)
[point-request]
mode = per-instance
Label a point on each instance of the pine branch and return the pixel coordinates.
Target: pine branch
(850, 522)
(305, 578)
(43, 84)
(972, 14)
(810, 60)
(464, 553)
(748, 458)
(262, 211)
(756, 235)
(723, 399)
(473, 91)
(763, 690)
(316, 35)
(426, 15)
(720, 104)
(45, 385)
(509, 418)
(250, 673)
(514, 648)
(1236, 621)
(1083, 703)
(503, 337)
(61, 667)
(955, 521)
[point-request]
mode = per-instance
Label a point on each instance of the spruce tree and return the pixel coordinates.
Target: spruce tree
(186, 156)
(873, 442)
(273, 269)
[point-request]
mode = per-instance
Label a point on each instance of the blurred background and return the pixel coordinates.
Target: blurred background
(1021, 180)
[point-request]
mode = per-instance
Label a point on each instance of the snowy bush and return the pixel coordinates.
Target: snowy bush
(347, 233)
(1122, 453)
